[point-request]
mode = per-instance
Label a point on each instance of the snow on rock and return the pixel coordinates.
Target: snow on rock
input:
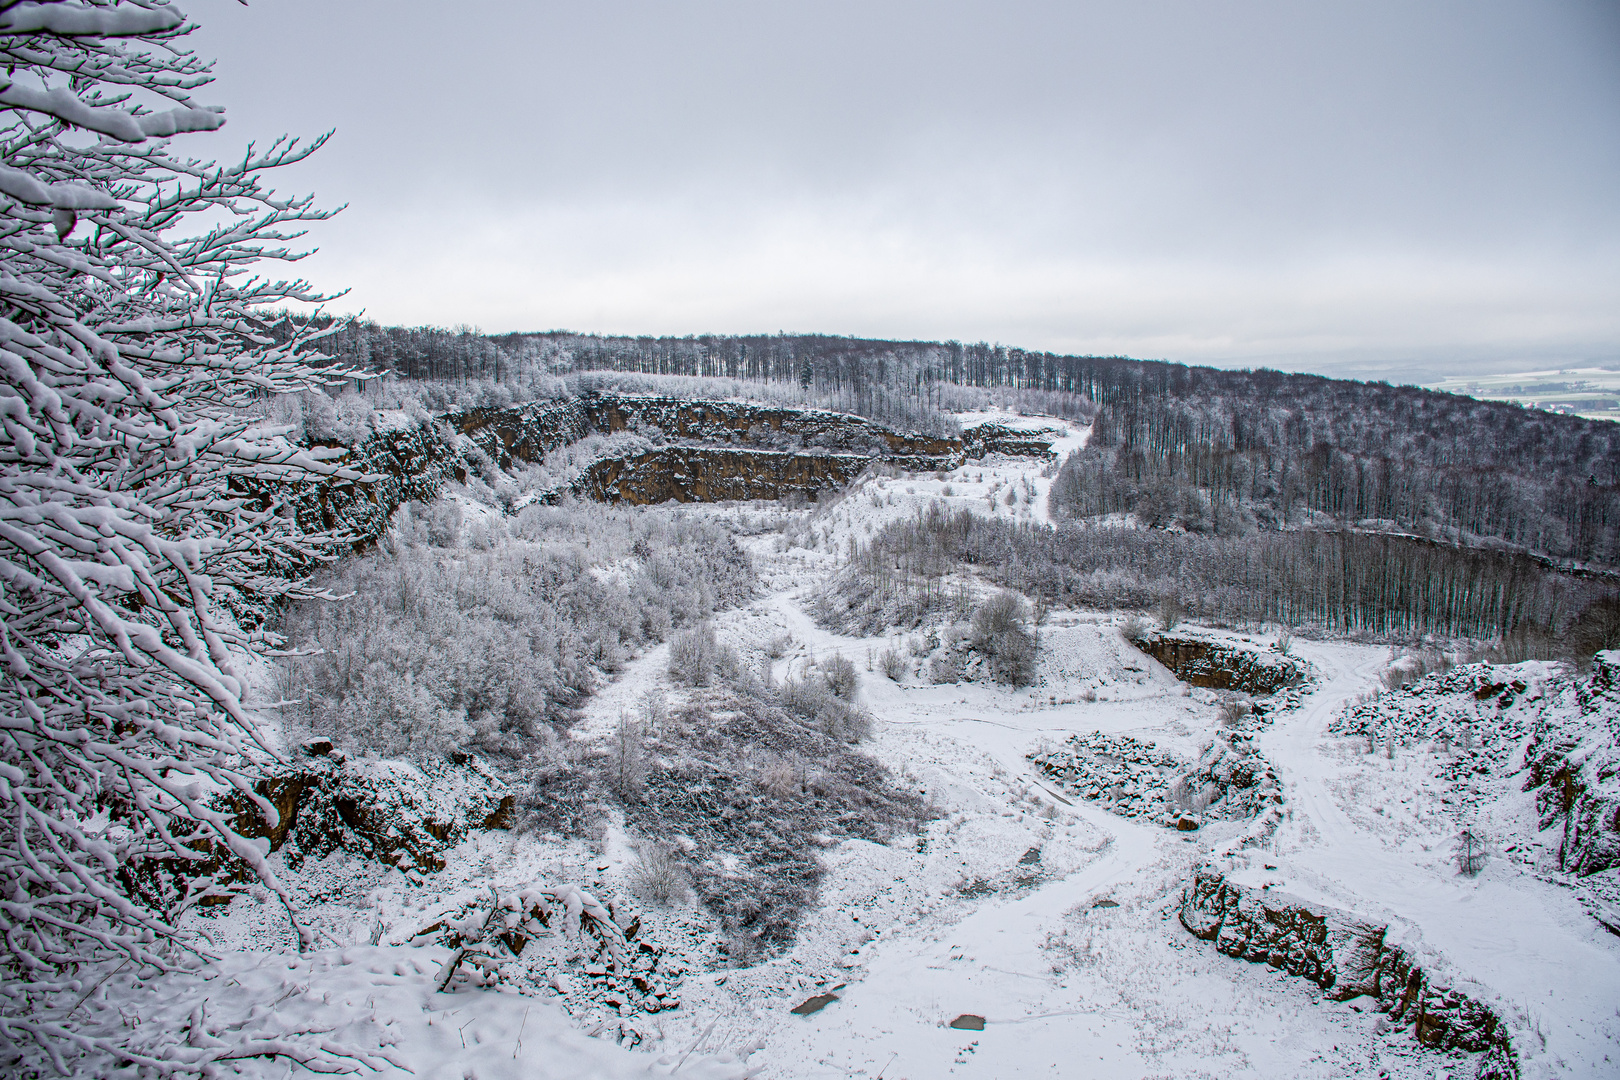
(1536, 726)
(1127, 776)
(393, 811)
(371, 1010)
(1350, 957)
(1209, 661)
(1130, 777)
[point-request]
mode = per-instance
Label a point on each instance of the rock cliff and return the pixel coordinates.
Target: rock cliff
(724, 450)
(1221, 666)
(1348, 957)
(713, 474)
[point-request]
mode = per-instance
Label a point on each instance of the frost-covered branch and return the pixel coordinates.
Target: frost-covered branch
(140, 498)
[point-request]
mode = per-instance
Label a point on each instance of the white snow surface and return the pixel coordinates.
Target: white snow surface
(1053, 921)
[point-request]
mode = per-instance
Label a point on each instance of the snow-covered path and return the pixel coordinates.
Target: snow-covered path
(1083, 974)
(1082, 969)
(1525, 939)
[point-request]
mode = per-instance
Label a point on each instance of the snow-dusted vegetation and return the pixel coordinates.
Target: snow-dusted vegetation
(474, 632)
(365, 711)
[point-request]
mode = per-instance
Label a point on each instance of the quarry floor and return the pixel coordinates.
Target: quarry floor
(1052, 920)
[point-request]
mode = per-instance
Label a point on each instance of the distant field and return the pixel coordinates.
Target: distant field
(1590, 392)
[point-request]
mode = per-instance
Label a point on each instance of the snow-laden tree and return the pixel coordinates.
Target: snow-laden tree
(140, 499)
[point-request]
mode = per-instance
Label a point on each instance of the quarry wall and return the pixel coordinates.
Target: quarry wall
(725, 450)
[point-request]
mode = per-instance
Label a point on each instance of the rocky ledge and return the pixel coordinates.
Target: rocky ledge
(1221, 665)
(1348, 957)
(710, 474)
(393, 811)
(725, 450)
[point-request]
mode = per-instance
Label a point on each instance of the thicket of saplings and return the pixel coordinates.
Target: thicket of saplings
(1377, 586)
(487, 634)
(736, 791)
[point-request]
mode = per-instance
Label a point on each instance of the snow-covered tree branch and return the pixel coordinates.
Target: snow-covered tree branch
(139, 493)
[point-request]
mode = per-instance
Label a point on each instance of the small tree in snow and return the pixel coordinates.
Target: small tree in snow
(1470, 852)
(139, 496)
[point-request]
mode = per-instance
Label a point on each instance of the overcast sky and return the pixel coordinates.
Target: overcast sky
(1355, 188)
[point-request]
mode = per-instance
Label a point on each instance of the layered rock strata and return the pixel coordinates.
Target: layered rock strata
(746, 451)
(709, 474)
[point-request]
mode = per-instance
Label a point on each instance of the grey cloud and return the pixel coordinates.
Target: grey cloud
(1185, 179)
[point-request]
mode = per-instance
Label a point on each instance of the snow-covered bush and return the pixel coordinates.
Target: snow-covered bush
(814, 700)
(842, 678)
(439, 649)
(657, 876)
(692, 655)
(1000, 635)
(142, 496)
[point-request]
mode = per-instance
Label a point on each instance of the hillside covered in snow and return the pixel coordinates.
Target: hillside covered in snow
(786, 707)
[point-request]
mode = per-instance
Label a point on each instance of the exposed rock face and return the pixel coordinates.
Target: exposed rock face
(984, 439)
(1558, 730)
(1572, 762)
(524, 433)
(387, 810)
(748, 452)
(772, 427)
(709, 474)
(1220, 666)
(1347, 956)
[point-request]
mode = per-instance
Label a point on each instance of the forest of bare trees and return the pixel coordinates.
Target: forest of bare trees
(1342, 582)
(1202, 449)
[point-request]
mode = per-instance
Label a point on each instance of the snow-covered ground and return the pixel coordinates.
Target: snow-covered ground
(1051, 921)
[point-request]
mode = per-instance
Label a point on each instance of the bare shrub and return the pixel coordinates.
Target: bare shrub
(812, 699)
(1000, 634)
(894, 664)
(1134, 628)
(1469, 850)
(842, 679)
(778, 646)
(654, 711)
(657, 876)
(692, 655)
(1285, 641)
(1170, 611)
(945, 668)
(781, 780)
(627, 758)
(444, 523)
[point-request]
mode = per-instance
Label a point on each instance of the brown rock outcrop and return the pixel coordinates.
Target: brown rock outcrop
(1220, 666)
(707, 474)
